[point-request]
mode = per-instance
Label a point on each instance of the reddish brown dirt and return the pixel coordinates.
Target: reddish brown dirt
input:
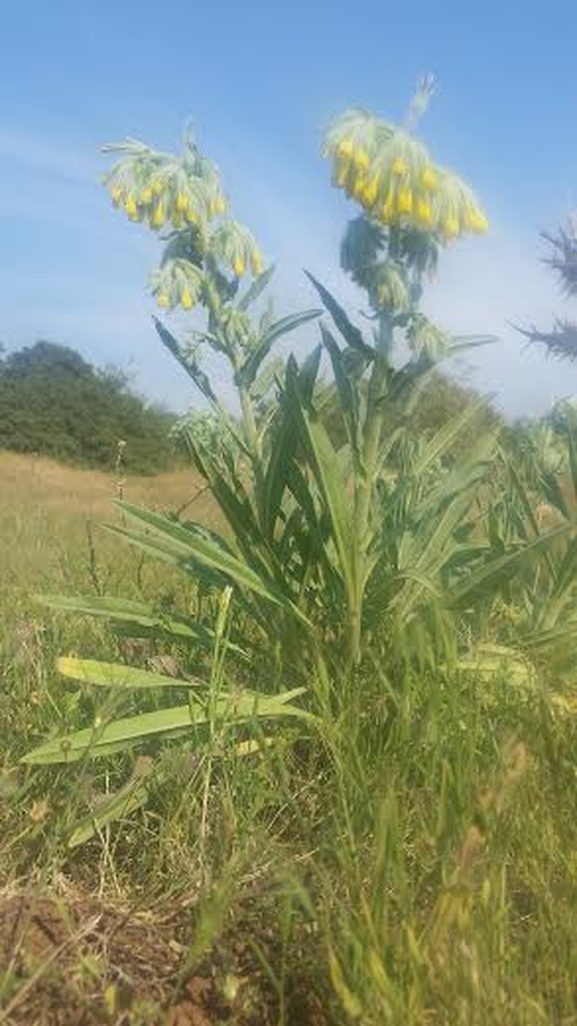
(74, 960)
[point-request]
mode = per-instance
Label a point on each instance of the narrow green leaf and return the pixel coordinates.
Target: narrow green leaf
(247, 373)
(352, 335)
(184, 544)
(190, 366)
(102, 740)
(333, 489)
(134, 795)
(126, 611)
(256, 289)
(119, 675)
(445, 437)
(502, 568)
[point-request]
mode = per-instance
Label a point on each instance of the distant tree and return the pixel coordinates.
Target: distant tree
(55, 403)
(561, 339)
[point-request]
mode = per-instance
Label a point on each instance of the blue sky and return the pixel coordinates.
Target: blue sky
(259, 81)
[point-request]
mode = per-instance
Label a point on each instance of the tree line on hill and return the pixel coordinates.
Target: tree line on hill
(54, 403)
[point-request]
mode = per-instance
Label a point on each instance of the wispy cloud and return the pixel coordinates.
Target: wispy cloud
(46, 158)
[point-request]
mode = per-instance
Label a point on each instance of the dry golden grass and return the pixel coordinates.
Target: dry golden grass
(32, 481)
(50, 517)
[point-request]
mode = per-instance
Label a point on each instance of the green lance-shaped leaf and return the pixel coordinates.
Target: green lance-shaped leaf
(181, 545)
(120, 735)
(119, 675)
(325, 467)
(256, 289)
(134, 795)
(126, 611)
(247, 373)
(190, 366)
(345, 389)
(499, 570)
(352, 335)
(443, 439)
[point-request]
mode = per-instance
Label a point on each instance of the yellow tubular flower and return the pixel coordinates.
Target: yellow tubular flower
(476, 221)
(429, 179)
(346, 147)
(186, 300)
(191, 216)
(182, 202)
(399, 166)
(371, 191)
(146, 195)
(387, 213)
(256, 262)
(451, 227)
(361, 159)
(239, 266)
(116, 195)
(157, 219)
(358, 186)
(405, 201)
(423, 211)
(130, 206)
(163, 299)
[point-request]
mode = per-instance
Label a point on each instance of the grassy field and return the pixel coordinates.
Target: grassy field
(410, 860)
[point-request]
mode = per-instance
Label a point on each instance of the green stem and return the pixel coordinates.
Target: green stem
(254, 444)
(366, 484)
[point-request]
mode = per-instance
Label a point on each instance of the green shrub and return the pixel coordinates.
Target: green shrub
(54, 403)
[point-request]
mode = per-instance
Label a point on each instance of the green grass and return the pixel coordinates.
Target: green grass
(409, 860)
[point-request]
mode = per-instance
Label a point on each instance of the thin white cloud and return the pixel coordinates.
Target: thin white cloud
(35, 153)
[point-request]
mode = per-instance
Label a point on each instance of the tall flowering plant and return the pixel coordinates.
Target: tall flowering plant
(340, 545)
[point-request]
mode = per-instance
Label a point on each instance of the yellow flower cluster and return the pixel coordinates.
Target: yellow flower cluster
(177, 283)
(161, 204)
(235, 245)
(166, 191)
(391, 175)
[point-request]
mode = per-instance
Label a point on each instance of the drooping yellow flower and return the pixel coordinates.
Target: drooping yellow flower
(399, 166)
(186, 300)
(361, 158)
(358, 186)
(451, 227)
(163, 299)
(146, 195)
(476, 221)
(130, 207)
(256, 262)
(429, 179)
(387, 213)
(371, 191)
(157, 219)
(191, 216)
(346, 147)
(405, 201)
(341, 173)
(423, 211)
(239, 266)
(116, 195)
(182, 202)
